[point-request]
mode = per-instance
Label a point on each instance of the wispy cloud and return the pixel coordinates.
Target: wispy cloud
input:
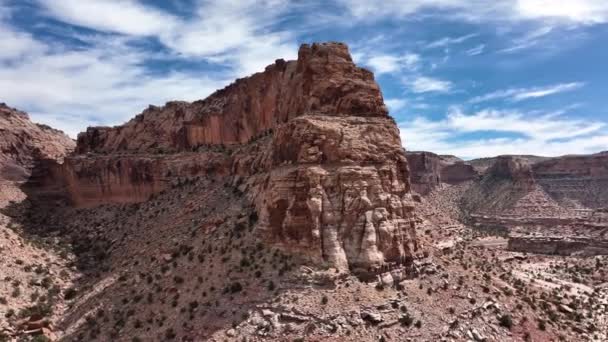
(574, 11)
(447, 41)
(568, 12)
(126, 17)
(395, 104)
(529, 39)
(520, 94)
(476, 50)
(548, 134)
(424, 84)
(386, 63)
(246, 44)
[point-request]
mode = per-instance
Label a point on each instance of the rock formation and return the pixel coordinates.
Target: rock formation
(429, 170)
(23, 142)
(309, 142)
(575, 181)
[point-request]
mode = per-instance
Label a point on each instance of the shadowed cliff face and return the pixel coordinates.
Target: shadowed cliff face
(23, 143)
(309, 143)
(429, 170)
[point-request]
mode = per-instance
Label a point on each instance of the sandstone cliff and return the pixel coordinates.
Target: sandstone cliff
(575, 181)
(308, 142)
(429, 170)
(537, 186)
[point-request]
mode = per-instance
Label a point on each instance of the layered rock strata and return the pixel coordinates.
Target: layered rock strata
(429, 170)
(308, 142)
(575, 181)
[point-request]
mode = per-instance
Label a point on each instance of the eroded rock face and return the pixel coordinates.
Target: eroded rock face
(92, 181)
(429, 170)
(23, 142)
(337, 189)
(575, 181)
(503, 185)
(308, 142)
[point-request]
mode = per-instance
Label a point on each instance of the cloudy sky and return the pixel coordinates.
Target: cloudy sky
(471, 78)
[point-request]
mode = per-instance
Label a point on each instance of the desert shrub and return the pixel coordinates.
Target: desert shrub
(70, 293)
(406, 320)
(542, 325)
(235, 287)
(10, 313)
(506, 321)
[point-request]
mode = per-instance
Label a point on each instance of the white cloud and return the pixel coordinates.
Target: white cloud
(529, 39)
(447, 41)
(545, 134)
(106, 84)
(476, 50)
(566, 11)
(575, 11)
(16, 44)
(124, 16)
(391, 63)
(520, 94)
(395, 104)
(423, 84)
(234, 33)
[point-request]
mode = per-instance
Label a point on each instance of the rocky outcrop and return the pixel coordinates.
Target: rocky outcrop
(429, 170)
(340, 184)
(308, 142)
(23, 143)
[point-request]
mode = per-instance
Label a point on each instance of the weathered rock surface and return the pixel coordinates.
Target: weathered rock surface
(309, 142)
(23, 142)
(517, 186)
(575, 181)
(429, 170)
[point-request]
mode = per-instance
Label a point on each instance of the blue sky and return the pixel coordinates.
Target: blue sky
(465, 77)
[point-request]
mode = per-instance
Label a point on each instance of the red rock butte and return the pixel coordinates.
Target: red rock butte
(309, 143)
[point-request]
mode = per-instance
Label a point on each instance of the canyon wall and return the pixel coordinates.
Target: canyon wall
(575, 181)
(308, 142)
(429, 170)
